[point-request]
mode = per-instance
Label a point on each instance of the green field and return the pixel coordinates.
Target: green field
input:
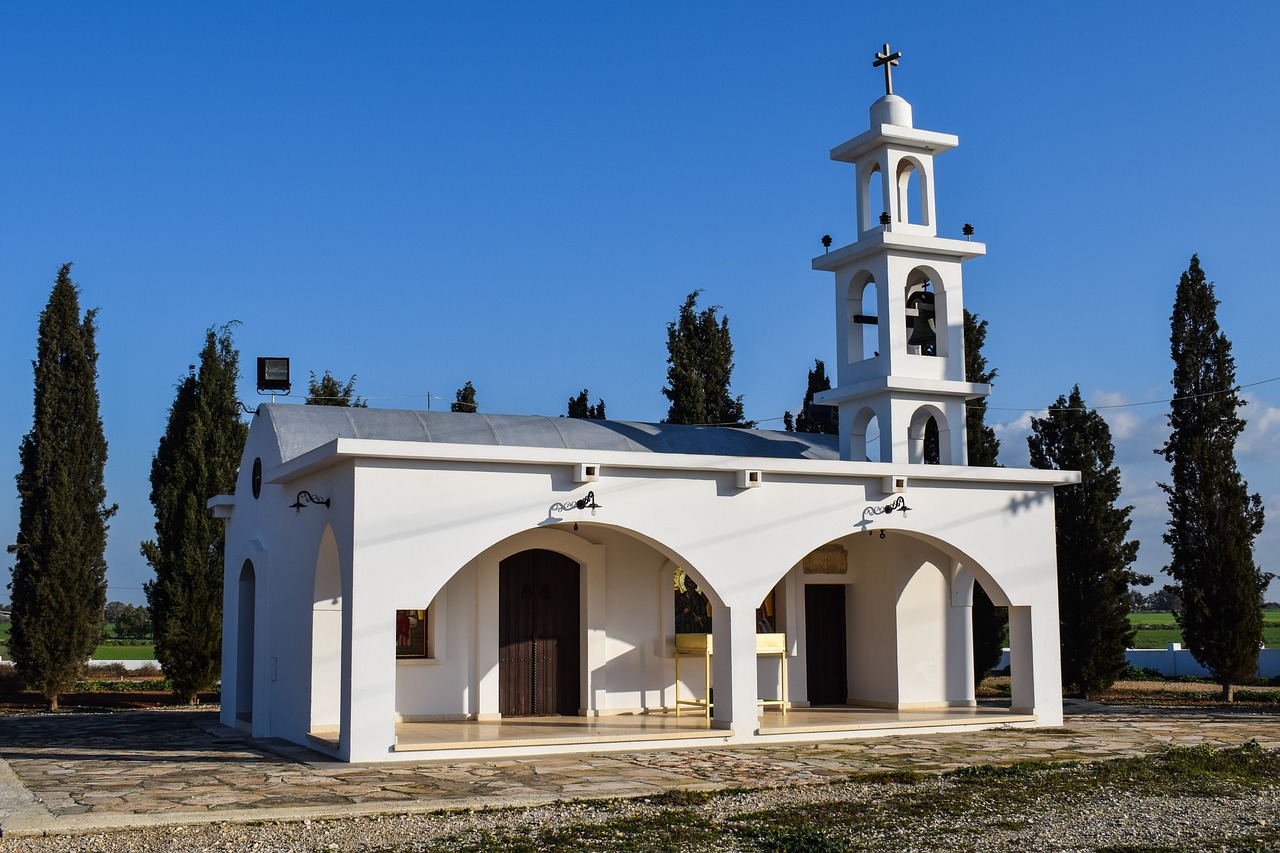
(1158, 630)
(142, 651)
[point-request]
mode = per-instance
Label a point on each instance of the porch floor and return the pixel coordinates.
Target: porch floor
(664, 725)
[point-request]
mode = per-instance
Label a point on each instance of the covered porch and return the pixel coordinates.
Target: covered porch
(453, 739)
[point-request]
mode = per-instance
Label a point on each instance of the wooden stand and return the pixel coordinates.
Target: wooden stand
(700, 645)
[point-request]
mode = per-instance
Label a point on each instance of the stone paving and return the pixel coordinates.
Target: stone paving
(77, 773)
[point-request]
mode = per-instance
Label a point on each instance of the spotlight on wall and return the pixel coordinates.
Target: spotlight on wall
(304, 495)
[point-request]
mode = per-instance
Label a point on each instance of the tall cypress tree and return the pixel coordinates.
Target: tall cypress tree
(699, 365)
(1213, 519)
(1093, 557)
(990, 623)
(819, 419)
(197, 458)
(59, 578)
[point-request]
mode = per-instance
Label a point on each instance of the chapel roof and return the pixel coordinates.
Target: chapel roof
(299, 429)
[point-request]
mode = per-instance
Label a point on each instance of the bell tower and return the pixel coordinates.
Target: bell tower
(899, 298)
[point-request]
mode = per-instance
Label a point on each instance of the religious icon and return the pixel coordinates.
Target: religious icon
(411, 633)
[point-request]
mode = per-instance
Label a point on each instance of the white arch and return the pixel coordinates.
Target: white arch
(909, 167)
(326, 635)
(916, 434)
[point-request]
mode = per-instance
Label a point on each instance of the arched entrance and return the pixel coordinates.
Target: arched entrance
(539, 635)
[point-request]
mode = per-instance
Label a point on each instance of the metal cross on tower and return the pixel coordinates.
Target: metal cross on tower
(888, 60)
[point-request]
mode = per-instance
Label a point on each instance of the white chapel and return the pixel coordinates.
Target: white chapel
(408, 585)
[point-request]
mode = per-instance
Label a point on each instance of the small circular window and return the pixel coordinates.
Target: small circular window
(257, 477)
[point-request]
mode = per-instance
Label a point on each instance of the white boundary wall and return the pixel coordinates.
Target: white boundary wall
(1175, 660)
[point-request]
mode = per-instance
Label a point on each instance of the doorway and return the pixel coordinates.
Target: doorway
(539, 661)
(825, 639)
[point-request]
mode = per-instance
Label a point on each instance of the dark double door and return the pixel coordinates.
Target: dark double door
(539, 648)
(825, 642)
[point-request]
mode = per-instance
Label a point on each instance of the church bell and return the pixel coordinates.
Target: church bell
(921, 322)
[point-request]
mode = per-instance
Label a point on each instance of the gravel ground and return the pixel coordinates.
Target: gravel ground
(1098, 820)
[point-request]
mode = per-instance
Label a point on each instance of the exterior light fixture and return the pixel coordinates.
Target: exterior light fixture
(273, 375)
(885, 218)
(869, 514)
(826, 242)
(589, 502)
(967, 230)
(298, 504)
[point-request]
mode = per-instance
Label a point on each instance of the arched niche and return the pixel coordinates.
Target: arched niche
(326, 635)
(245, 614)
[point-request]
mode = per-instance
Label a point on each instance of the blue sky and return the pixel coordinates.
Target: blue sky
(521, 195)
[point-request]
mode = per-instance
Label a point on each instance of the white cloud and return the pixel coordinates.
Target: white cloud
(1123, 422)
(1261, 430)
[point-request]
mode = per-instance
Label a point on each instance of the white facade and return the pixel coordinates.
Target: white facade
(425, 509)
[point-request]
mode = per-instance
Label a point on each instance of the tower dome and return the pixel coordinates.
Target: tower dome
(891, 109)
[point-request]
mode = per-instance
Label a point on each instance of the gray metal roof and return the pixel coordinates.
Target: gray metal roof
(299, 429)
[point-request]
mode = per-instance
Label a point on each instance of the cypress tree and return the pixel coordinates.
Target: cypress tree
(1093, 557)
(699, 365)
(59, 577)
(465, 399)
(982, 442)
(1213, 519)
(818, 419)
(990, 623)
(328, 391)
(197, 458)
(580, 407)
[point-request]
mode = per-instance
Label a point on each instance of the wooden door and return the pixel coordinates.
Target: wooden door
(825, 644)
(538, 642)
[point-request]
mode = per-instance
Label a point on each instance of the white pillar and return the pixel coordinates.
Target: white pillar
(368, 677)
(486, 654)
(734, 669)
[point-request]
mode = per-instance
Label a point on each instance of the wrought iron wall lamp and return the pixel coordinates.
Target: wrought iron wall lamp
(589, 502)
(298, 504)
(898, 504)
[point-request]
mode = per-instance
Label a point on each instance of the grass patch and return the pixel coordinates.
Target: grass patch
(1157, 630)
(131, 652)
(906, 813)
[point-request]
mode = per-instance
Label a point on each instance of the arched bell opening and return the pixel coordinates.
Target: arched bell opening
(928, 442)
(872, 199)
(926, 313)
(912, 192)
(864, 436)
(921, 315)
(862, 303)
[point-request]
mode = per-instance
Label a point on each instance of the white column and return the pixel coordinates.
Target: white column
(734, 669)
(368, 676)
(486, 653)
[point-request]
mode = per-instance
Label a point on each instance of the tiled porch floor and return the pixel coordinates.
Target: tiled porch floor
(664, 725)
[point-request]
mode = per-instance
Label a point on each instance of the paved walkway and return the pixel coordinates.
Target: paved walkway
(80, 773)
